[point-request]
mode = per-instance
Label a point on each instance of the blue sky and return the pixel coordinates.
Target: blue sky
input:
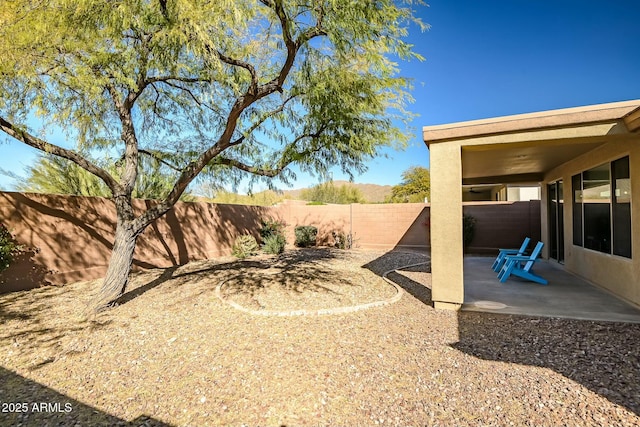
(494, 58)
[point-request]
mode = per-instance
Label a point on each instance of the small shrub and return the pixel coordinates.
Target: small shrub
(8, 248)
(271, 227)
(305, 235)
(468, 229)
(342, 240)
(274, 244)
(245, 246)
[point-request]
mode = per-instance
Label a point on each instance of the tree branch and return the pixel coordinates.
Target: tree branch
(254, 93)
(247, 168)
(263, 119)
(56, 150)
(242, 64)
(159, 159)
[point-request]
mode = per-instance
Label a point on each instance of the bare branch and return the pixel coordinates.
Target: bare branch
(247, 168)
(156, 79)
(242, 64)
(56, 150)
(190, 93)
(159, 159)
(263, 119)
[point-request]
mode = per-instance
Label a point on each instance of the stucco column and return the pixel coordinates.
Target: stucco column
(446, 226)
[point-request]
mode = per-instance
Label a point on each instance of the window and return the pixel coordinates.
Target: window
(602, 208)
(576, 185)
(621, 207)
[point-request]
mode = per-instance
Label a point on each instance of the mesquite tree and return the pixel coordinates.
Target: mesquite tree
(221, 89)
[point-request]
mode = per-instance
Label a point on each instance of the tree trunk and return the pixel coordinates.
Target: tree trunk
(117, 277)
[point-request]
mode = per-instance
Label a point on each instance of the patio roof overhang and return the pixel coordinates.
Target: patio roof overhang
(522, 148)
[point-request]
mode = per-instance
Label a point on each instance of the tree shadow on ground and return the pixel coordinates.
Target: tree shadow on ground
(411, 279)
(295, 268)
(34, 404)
(35, 319)
(601, 356)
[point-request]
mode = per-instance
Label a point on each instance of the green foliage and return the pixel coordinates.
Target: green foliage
(215, 90)
(468, 229)
(329, 193)
(271, 227)
(318, 80)
(342, 240)
(245, 246)
(274, 244)
(8, 248)
(55, 175)
(272, 235)
(263, 198)
(305, 235)
(316, 204)
(414, 188)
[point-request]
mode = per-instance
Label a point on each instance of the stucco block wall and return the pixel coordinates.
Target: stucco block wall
(617, 274)
(74, 236)
(327, 218)
(503, 224)
(391, 226)
(374, 226)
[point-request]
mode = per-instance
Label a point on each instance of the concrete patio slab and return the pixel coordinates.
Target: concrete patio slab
(566, 295)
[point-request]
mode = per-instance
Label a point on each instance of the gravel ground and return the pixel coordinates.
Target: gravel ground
(173, 354)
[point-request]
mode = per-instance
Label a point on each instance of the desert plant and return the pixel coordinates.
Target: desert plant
(342, 240)
(274, 244)
(468, 229)
(8, 248)
(305, 235)
(271, 227)
(245, 246)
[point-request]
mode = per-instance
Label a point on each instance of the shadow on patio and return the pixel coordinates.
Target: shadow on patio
(566, 295)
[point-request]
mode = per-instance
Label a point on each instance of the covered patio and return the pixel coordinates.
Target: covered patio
(566, 295)
(586, 161)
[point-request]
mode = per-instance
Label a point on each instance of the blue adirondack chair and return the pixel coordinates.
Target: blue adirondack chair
(497, 264)
(520, 266)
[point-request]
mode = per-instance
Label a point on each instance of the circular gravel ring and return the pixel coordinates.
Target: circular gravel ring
(324, 311)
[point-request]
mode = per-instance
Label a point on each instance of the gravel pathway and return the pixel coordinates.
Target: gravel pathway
(173, 354)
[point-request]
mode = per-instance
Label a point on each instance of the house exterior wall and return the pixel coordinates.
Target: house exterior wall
(617, 274)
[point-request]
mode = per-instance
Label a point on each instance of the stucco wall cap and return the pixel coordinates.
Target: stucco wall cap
(562, 118)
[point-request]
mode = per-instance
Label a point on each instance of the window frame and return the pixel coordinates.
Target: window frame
(616, 216)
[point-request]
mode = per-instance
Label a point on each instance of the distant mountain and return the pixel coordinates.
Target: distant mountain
(373, 193)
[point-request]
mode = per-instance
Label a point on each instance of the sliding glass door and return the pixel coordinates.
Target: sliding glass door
(555, 196)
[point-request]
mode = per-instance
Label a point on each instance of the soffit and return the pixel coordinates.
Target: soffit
(515, 162)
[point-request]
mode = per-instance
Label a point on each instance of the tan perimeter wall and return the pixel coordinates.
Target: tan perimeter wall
(73, 236)
(503, 224)
(373, 226)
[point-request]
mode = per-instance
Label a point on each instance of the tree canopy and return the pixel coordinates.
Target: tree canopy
(56, 175)
(414, 188)
(328, 192)
(231, 88)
